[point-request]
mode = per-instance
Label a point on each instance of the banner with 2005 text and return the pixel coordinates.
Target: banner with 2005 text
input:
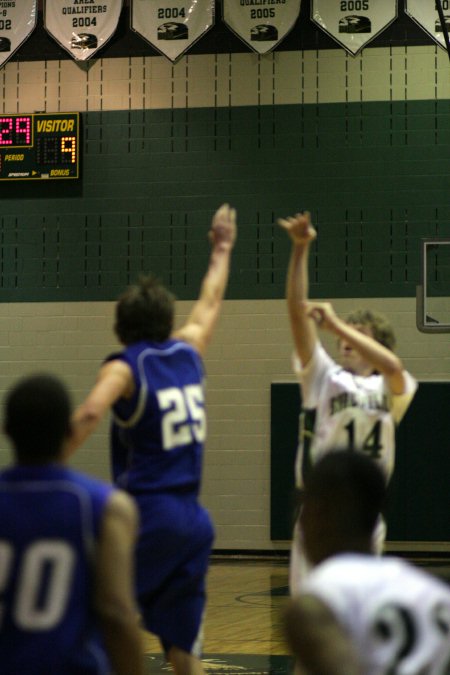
(262, 24)
(353, 23)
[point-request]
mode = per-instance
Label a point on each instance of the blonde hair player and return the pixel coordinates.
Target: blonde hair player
(355, 404)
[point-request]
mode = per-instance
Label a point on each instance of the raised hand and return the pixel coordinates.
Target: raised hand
(322, 314)
(299, 227)
(223, 227)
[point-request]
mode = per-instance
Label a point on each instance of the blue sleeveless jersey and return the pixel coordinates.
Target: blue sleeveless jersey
(49, 522)
(157, 436)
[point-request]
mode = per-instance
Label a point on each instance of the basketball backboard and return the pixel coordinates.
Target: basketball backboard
(433, 294)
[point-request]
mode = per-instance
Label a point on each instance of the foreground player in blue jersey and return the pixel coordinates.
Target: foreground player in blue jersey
(155, 387)
(66, 551)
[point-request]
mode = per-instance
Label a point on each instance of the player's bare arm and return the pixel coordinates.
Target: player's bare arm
(200, 324)
(302, 234)
(316, 639)
(114, 592)
(114, 381)
(377, 355)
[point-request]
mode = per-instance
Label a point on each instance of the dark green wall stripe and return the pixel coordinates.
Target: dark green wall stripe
(375, 175)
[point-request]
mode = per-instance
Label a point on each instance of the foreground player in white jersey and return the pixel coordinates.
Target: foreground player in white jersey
(353, 405)
(359, 614)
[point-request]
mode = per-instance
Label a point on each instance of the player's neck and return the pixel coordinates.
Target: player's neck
(362, 371)
(360, 546)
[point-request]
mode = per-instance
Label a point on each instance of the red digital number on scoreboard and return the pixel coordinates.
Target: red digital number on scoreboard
(16, 131)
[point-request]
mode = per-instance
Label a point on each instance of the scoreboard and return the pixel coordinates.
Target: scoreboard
(39, 146)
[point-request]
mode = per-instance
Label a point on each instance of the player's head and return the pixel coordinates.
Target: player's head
(37, 418)
(376, 324)
(344, 496)
(144, 311)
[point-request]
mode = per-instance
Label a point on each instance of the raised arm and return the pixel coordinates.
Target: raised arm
(200, 324)
(113, 586)
(317, 641)
(304, 333)
(115, 380)
(379, 357)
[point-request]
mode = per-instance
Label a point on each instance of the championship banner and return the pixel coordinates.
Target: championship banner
(354, 23)
(172, 26)
(17, 22)
(262, 24)
(426, 14)
(82, 27)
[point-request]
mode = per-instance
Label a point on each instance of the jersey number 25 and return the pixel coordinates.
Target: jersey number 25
(183, 415)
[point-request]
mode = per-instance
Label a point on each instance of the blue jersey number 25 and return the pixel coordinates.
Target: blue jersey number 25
(183, 415)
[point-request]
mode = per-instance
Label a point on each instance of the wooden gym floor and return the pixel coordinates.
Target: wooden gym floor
(242, 624)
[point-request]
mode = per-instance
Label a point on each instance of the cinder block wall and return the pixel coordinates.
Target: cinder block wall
(251, 349)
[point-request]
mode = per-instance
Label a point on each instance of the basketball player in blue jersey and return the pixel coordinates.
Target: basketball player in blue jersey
(155, 387)
(357, 613)
(66, 550)
(354, 404)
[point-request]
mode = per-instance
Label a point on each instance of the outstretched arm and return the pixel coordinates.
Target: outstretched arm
(302, 234)
(315, 638)
(200, 324)
(377, 355)
(113, 586)
(115, 380)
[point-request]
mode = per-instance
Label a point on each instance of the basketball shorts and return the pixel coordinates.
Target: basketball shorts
(172, 557)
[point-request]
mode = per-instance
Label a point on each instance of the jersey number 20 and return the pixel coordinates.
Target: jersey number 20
(40, 598)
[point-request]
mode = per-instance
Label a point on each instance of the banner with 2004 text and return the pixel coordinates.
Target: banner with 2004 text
(172, 26)
(82, 27)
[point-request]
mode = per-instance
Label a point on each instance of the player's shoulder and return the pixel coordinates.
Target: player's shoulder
(96, 488)
(355, 569)
(82, 478)
(373, 573)
(320, 361)
(143, 352)
(113, 501)
(191, 335)
(120, 506)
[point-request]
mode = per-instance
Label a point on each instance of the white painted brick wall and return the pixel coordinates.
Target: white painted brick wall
(251, 349)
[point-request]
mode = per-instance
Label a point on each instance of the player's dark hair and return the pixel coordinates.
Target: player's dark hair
(352, 487)
(144, 311)
(37, 418)
(382, 330)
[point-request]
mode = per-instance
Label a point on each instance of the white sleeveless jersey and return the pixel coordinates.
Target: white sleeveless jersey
(345, 411)
(397, 616)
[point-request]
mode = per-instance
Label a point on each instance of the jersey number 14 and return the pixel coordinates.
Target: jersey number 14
(372, 442)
